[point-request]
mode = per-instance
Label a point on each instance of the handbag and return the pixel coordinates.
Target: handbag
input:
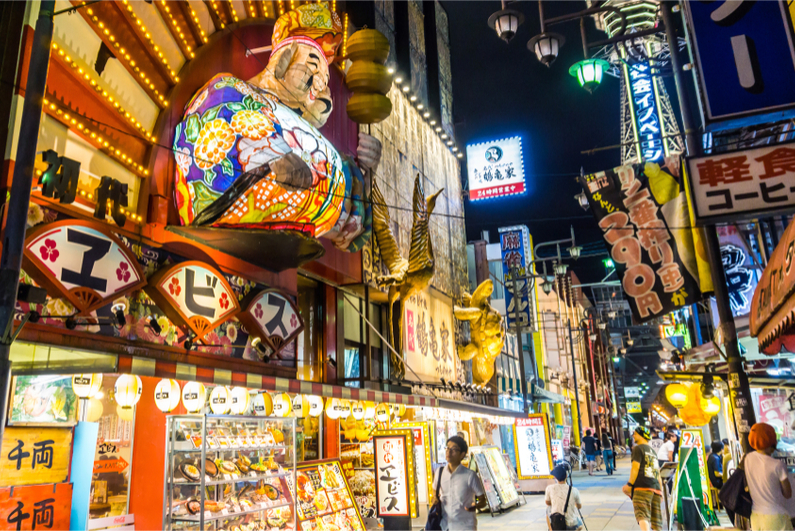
(434, 522)
(734, 494)
(557, 521)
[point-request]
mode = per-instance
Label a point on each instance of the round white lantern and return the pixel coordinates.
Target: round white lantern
(239, 400)
(94, 410)
(219, 400)
(357, 410)
(282, 405)
(382, 412)
(86, 385)
(369, 410)
(333, 408)
(167, 395)
(315, 405)
(262, 405)
(127, 390)
(125, 413)
(300, 406)
(193, 396)
(345, 409)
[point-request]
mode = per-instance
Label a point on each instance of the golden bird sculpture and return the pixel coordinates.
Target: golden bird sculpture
(406, 277)
(486, 332)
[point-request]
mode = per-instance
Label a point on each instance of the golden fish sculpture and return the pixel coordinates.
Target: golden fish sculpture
(486, 332)
(406, 277)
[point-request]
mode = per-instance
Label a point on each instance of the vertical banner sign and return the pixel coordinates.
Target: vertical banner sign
(696, 465)
(533, 448)
(517, 252)
(495, 169)
(654, 276)
(36, 507)
(647, 124)
(35, 455)
(741, 271)
(394, 471)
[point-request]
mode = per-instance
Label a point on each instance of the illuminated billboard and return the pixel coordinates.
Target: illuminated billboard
(495, 169)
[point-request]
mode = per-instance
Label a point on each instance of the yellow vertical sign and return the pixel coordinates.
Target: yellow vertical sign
(31, 456)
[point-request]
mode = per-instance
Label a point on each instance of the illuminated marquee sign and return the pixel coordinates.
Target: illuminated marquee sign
(648, 126)
(394, 463)
(272, 316)
(533, 448)
(495, 169)
(82, 262)
(193, 294)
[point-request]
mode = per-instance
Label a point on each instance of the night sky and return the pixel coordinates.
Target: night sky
(502, 90)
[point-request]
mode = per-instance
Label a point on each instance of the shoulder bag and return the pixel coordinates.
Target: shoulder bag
(434, 522)
(557, 521)
(734, 494)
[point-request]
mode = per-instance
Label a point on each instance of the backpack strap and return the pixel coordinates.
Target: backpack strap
(439, 482)
(566, 507)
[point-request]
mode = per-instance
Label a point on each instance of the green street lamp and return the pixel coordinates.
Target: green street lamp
(589, 72)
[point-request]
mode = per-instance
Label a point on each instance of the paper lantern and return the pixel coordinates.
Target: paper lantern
(382, 412)
(401, 410)
(86, 385)
(125, 413)
(694, 416)
(239, 400)
(315, 405)
(300, 406)
(167, 395)
(711, 406)
(263, 405)
(193, 396)
(345, 410)
(369, 410)
(357, 410)
(282, 405)
(219, 400)
(368, 107)
(333, 408)
(364, 76)
(368, 45)
(94, 410)
(676, 394)
(127, 390)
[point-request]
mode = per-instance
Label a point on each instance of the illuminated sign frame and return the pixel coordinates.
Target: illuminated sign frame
(411, 492)
(642, 87)
(500, 160)
(526, 423)
(429, 443)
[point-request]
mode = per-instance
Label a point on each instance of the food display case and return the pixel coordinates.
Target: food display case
(229, 473)
(324, 500)
(356, 453)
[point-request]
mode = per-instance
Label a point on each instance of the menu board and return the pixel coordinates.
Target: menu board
(478, 463)
(422, 457)
(512, 471)
(533, 449)
(502, 477)
(323, 498)
(395, 473)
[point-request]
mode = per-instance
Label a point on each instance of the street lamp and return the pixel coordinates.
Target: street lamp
(546, 46)
(589, 72)
(575, 251)
(582, 200)
(601, 326)
(560, 268)
(506, 22)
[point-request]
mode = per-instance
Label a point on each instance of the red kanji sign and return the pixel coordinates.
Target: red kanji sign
(110, 465)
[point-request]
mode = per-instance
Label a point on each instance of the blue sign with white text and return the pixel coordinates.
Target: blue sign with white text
(514, 250)
(746, 57)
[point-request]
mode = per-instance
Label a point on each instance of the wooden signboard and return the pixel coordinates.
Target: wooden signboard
(31, 456)
(36, 507)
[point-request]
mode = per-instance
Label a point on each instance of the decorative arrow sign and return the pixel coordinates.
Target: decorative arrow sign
(110, 465)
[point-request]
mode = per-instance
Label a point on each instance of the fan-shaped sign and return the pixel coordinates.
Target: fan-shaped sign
(82, 262)
(273, 317)
(193, 294)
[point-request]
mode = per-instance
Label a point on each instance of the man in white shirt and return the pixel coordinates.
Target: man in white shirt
(555, 498)
(460, 491)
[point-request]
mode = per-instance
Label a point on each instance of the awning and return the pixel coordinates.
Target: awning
(542, 395)
(773, 306)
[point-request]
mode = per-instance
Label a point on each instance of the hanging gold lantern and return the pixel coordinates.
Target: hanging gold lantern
(263, 405)
(86, 385)
(333, 408)
(282, 405)
(94, 410)
(382, 412)
(127, 390)
(368, 107)
(167, 395)
(711, 406)
(219, 400)
(676, 394)
(193, 396)
(368, 45)
(239, 400)
(364, 76)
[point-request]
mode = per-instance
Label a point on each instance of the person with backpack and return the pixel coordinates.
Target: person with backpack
(644, 483)
(562, 501)
(768, 482)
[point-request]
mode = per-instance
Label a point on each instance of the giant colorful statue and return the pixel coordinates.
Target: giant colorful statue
(250, 156)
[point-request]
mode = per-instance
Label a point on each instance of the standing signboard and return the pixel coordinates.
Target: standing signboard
(422, 457)
(36, 507)
(742, 185)
(495, 169)
(478, 464)
(745, 59)
(693, 466)
(394, 469)
(516, 249)
(533, 447)
(499, 472)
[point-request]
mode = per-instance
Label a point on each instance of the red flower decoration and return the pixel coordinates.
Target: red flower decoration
(48, 251)
(123, 272)
(223, 302)
(294, 321)
(258, 313)
(174, 287)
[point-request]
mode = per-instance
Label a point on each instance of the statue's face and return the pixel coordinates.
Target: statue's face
(303, 85)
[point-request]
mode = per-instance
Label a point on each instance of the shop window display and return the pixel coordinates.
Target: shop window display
(356, 455)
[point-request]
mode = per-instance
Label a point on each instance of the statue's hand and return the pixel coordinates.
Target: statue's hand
(368, 151)
(292, 173)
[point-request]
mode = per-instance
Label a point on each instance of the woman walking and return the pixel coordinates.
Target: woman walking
(607, 452)
(768, 482)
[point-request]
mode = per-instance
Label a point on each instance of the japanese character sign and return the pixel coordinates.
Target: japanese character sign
(517, 253)
(428, 344)
(194, 294)
(394, 471)
(495, 169)
(533, 447)
(273, 317)
(36, 507)
(648, 259)
(35, 455)
(744, 184)
(82, 262)
(648, 126)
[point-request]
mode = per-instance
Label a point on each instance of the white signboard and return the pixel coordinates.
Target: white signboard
(743, 184)
(428, 335)
(631, 392)
(495, 169)
(391, 476)
(533, 448)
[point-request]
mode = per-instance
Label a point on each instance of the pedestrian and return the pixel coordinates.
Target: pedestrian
(460, 490)
(607, 452)
(555, 498)
(613, 445)
(715, 465)
(768, 482)
(727, 459)
(666, 452)
(589, 446)
(657, 440)
(644, 483)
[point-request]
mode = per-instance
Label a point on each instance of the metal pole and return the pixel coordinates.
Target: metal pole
(19, 198)
(739, 389)
(576, 388)
(519, 330)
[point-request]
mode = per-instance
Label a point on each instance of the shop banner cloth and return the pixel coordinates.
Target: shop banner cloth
(642, 211)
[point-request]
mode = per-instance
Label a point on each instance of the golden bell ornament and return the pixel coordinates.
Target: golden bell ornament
(364, 76)
(368, 45)
(368, 107)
